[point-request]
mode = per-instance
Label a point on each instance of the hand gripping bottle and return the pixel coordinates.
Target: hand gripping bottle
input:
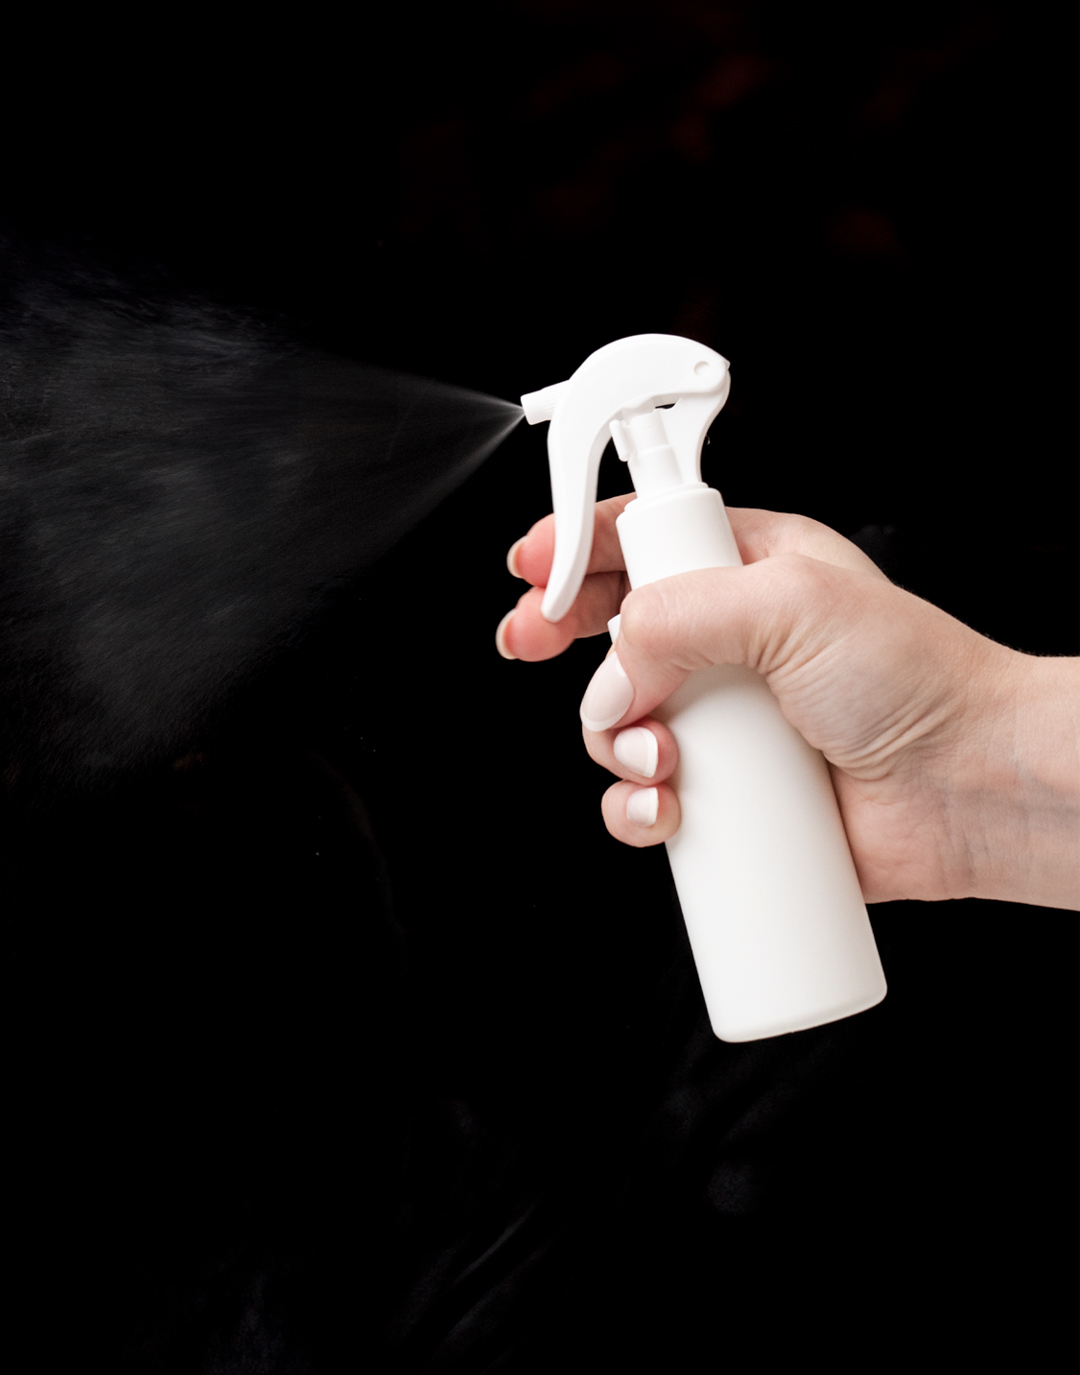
(768, 890)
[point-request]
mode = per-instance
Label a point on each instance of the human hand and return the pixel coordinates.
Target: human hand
(954, 759)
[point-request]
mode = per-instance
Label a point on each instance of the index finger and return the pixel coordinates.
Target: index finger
(531, 557)
(759, 534)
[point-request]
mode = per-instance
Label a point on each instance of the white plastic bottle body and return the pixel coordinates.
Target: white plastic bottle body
(776, 919)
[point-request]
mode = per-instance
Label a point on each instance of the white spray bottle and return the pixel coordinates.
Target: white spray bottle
(768, 890)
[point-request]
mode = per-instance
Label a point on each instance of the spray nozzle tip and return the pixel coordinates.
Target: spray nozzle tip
(540, 405)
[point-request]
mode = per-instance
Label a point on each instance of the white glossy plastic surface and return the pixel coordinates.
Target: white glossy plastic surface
(768, 889)
(627, 378)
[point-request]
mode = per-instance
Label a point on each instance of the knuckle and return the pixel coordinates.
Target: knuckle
(791, 577)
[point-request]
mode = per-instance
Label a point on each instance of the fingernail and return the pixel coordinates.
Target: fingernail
(637, 750)
(511, 558)
(608, 696)
(500, 636)
(642, 806)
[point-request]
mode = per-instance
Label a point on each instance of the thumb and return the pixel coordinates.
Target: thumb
(767, 615)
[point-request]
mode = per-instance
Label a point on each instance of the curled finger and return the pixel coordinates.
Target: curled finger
(641, 816)
(644, 752)
(525, 633)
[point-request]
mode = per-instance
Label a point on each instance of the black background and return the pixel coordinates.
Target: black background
(266, 1118)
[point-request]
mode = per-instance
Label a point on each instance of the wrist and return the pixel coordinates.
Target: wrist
(1018, 794)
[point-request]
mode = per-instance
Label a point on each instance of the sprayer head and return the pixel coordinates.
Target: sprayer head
(625, 379)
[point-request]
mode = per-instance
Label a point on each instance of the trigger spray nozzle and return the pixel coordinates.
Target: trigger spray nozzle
(615, 394)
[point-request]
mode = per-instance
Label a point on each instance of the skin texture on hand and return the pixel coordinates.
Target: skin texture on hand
(955, 760)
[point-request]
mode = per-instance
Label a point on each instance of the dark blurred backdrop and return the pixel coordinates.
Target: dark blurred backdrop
(331, 1048)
